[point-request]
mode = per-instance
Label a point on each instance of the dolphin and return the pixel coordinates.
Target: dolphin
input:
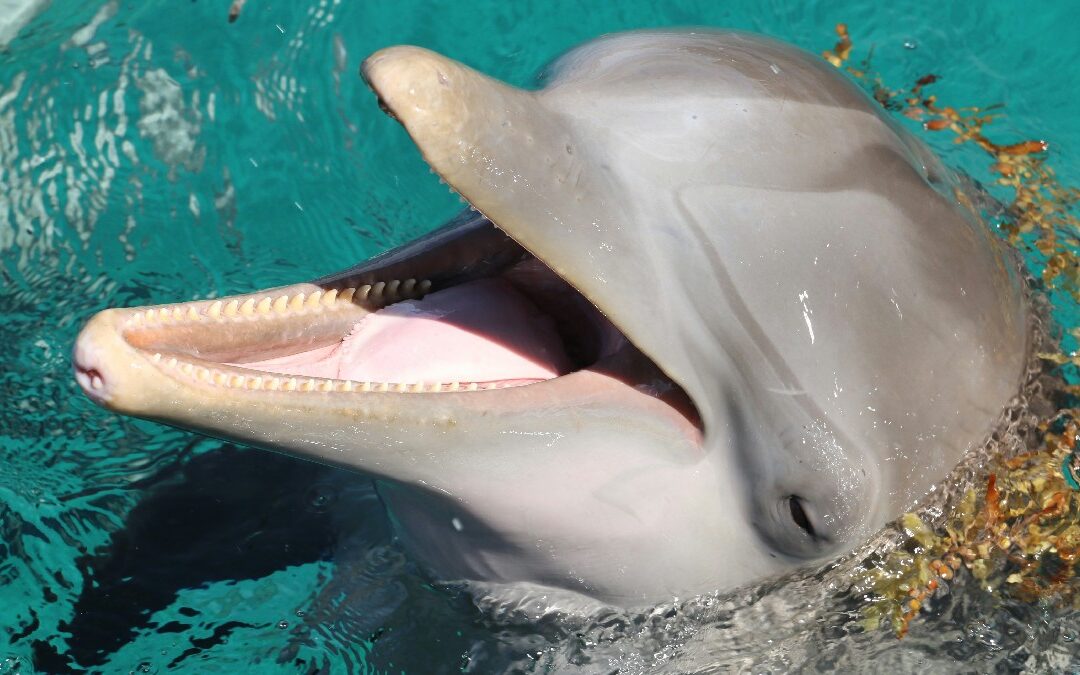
(710, 317)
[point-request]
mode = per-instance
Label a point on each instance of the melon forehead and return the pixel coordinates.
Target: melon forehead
(729, 64)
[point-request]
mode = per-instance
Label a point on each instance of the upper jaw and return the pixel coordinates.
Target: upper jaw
(530, 168)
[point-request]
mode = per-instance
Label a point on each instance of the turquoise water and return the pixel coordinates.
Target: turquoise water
(152, 151)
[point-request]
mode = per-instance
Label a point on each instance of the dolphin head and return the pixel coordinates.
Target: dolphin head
(711, 316)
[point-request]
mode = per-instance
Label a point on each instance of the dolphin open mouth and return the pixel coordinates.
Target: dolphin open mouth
(475, 306)
(465, 309)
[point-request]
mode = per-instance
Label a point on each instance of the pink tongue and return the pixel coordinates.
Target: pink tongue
(482, 331)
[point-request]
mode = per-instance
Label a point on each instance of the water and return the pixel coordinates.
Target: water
(153, 150)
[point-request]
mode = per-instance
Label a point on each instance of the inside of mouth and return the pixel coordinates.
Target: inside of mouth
(521, 326)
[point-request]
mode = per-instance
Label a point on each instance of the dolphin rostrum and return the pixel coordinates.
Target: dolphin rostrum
(711, 316)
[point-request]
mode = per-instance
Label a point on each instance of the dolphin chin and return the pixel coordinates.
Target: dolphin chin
(711, 316)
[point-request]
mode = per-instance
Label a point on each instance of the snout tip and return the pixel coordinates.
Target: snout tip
(93, 355)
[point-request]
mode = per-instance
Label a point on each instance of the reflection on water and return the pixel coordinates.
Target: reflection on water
(152, 150)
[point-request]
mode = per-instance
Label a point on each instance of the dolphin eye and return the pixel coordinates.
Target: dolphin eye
(798, 514)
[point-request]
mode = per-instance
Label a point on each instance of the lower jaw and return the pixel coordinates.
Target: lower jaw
(174, 364)
(221, 343)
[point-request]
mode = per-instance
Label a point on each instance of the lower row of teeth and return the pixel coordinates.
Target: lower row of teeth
(378, 294)
(286, 383)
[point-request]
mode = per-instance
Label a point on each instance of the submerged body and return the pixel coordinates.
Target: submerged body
(719, 318)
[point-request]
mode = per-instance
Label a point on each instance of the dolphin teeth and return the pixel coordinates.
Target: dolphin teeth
(171, 362)
(237, 381)
(380, 293)
(365, 386)
(203, 374)
(377, 291)
(273, 383)
(344, 386)
(219, 378)
(382, 386)
(392, 290)
(157, 358)
(325, 385)
(472, 386)
(187, 369)
(255, 383)
(307, 385)
(290, 384)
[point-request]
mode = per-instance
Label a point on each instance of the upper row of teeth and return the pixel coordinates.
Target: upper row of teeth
(380, 293)
(289, 383)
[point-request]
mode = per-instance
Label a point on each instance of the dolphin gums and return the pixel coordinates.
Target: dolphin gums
(711, 316)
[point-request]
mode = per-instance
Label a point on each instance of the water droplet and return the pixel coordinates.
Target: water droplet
(283, 624)
(320, 497)
(910, 44)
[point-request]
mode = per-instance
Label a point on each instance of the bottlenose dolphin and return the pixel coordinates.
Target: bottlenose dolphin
(711, 316)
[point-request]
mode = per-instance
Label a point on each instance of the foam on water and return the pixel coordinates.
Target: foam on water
(154, 150)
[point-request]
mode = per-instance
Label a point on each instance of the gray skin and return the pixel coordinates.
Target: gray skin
(820, 327)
